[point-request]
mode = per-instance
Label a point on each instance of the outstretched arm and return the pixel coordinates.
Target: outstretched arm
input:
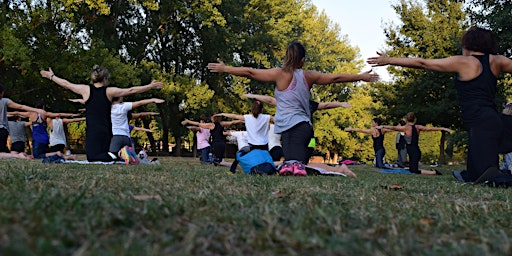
(232, 116)
(393, 128)
(329, 105)
(264, 75)
(139, 103)
(12, 104)
(121, 92)
(142, 129)
(432, 129)
(142, 114)
(81, 89)
(229, 123)
(263, 98)
(452, 64)
(72, 120)
(365, 131)
(194, 123)
(61, 115)
(314, 77)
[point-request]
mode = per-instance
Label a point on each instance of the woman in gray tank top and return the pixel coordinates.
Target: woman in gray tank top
(292, 118)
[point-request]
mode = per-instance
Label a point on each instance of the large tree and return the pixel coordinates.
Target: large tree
(428, 29)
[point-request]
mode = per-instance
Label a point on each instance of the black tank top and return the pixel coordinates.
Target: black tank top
(477, 96)
(378, 142)
(97, 110)
(218, 133)
(414, 136)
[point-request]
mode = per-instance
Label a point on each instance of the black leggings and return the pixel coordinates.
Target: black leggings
(484, 141)
(295, 142)
(3, 140)
(414, 158)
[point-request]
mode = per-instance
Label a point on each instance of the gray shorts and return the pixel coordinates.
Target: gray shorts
(118, 142)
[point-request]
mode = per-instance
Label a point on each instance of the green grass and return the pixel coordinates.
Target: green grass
(184, 208)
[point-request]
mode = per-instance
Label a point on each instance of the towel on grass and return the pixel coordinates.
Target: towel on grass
(400, 171)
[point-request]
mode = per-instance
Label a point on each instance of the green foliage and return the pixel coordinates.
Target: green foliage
(352, 144)
(429, 30)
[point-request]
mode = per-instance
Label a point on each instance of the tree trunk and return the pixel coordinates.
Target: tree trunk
(145, 124)
(178, 146)
(441, 147)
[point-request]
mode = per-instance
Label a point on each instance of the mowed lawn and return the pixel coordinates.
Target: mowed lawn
(184, 208)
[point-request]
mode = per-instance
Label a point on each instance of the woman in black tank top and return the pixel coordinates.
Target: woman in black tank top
(412, 133)
(98, 100)
(378, 140)
(477, 70)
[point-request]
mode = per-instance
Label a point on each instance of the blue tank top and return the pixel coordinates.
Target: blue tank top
(476, 97)
(39, 131)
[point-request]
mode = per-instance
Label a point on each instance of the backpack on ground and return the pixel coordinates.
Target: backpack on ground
(256, 161)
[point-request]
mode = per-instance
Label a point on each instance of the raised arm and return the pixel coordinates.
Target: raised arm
(81, 89)
(142, 114)
(454, 64)
(263, 98)
(432, 129)
(135, 128)
(365, 131)
(12, 104)
(314, 77)
(72, 120)
(121, 92)
(329, 105)
(202, 125)
(232, 116)
(229, 123)
(139, 103)
(393, 128)
(264, 75)
(61, 115)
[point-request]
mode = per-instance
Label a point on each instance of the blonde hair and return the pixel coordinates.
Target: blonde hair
(99, 74)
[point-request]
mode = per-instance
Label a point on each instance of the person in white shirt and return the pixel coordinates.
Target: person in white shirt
(58, 136)
(257, 125)
(120, 127)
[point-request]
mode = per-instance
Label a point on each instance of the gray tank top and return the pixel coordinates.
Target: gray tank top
(4, 123)
(292, 103)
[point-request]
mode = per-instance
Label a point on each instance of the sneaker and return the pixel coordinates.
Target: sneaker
(286, 169)
(128, 155)
(123, 154)
(299, 169)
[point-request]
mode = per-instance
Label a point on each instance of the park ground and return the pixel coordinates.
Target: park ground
(182, 207)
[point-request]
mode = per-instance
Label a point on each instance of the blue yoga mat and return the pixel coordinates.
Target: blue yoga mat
(401, 171)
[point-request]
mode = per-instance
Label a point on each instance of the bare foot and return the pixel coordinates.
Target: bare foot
(345, 170)
(71, 157)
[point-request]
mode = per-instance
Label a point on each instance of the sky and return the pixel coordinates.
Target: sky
(363, 22)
